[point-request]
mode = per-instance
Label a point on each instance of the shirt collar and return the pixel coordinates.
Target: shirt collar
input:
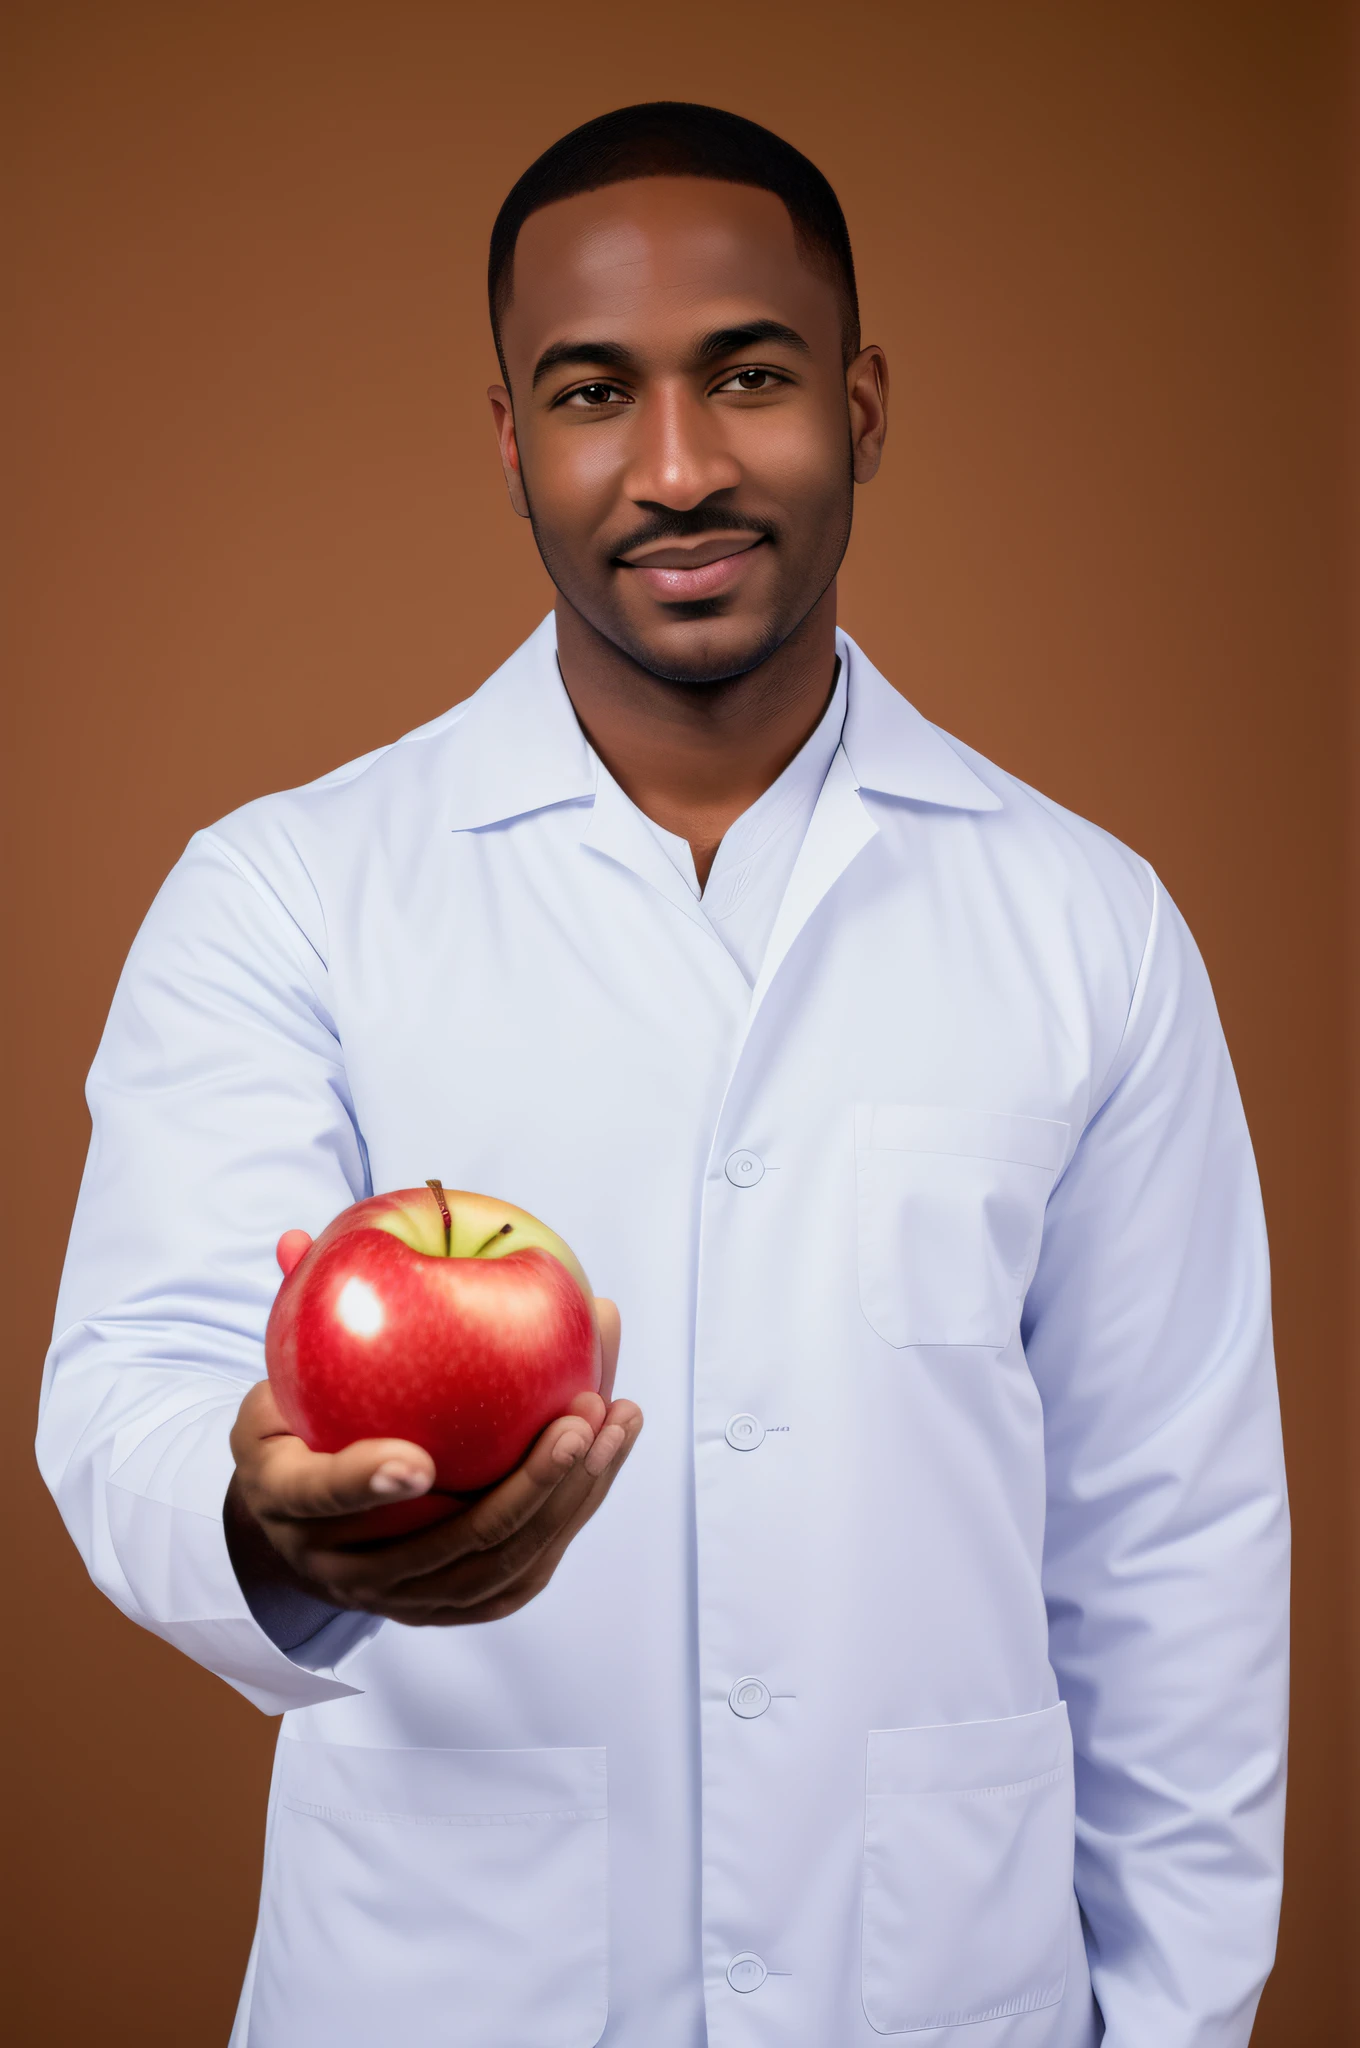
(519, 748)
(799, 785)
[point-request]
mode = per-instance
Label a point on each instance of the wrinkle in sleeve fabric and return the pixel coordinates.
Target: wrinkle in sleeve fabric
(1147, 1330)
(220, 1118)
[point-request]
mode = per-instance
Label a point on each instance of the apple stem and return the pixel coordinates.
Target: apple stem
(436, 1188)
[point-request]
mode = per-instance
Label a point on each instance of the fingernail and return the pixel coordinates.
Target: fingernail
(393, 1478)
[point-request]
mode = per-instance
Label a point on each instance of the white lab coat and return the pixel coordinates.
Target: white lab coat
(957, 1210)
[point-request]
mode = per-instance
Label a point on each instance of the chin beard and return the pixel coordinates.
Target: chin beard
(699, 673)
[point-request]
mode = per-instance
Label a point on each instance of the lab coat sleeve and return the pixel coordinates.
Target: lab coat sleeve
(221, 1117)
(1147, 1328)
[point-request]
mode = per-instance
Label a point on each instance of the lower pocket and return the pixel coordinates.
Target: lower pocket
(968, 1846)
(440, 1896)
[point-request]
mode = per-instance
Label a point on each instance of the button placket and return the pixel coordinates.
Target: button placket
(737, 1756)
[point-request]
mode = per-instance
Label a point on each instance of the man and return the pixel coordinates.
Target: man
(925, 1670)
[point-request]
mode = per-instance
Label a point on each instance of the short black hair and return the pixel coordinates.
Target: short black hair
(679, 139)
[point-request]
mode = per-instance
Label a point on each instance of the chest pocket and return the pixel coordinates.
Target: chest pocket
(950, 1208)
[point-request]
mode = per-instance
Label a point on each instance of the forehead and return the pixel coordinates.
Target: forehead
(648, 259)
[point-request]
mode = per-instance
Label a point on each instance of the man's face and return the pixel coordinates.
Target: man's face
(685, 435)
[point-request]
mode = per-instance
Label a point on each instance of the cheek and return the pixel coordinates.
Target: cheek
(574, 478)
(800, 464)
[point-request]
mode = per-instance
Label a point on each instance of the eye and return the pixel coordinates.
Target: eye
(751, 380)
(590, 397)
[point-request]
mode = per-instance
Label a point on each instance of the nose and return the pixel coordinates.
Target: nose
(679, 454)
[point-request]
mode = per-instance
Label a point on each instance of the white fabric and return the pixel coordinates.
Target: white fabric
(755, 858)
(943, 1278)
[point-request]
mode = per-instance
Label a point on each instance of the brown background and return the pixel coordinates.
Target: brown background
(260, 528)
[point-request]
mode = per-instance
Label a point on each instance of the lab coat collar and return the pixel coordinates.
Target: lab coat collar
(520, 748)
(887, 749)
(894, 751)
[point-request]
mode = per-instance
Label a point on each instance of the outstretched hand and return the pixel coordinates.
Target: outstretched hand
(306, 1518)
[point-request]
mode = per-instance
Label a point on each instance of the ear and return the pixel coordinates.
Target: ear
(503, 413)
(866, 390)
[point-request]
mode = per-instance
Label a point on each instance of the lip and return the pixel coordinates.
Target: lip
(674, 584)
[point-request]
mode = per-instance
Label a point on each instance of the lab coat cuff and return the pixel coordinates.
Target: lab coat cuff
(165, 1500)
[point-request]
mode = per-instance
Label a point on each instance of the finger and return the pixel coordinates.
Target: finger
(616, 1430)
(572, 1504)
(529, 1560)
(290, 1483)
(588, 1410)
(548, 1469)
(553, 1461)
(291, 1249)
(493, 1518)
(486, 1588)
(281, 1477)
(607, 1316)
(525, 1561)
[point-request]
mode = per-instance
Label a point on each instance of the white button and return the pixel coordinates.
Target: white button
(746, 1973)
(745, 1433)
(749, 1697)
(743, 1169)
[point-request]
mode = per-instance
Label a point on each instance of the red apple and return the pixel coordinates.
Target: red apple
(452, 1320)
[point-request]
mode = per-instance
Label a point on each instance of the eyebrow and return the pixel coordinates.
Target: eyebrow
(608, 355)
(729, 341)
(612, 355)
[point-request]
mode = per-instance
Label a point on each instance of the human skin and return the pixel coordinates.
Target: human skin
(682, 427)
(692, 501)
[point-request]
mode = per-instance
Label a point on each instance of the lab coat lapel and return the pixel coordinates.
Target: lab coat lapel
(839, 828)
(888, 748)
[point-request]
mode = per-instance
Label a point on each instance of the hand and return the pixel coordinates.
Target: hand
(300, 1516)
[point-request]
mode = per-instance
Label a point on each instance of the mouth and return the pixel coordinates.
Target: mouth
(678, 573)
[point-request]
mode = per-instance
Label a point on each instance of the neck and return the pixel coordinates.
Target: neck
(694, 757)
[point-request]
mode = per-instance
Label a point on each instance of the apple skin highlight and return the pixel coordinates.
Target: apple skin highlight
(378, 1331)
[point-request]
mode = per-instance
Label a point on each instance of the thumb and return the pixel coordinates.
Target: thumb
(295, 1484)
(284, 1479)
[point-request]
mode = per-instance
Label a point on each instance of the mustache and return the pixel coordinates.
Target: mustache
(692, 525)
